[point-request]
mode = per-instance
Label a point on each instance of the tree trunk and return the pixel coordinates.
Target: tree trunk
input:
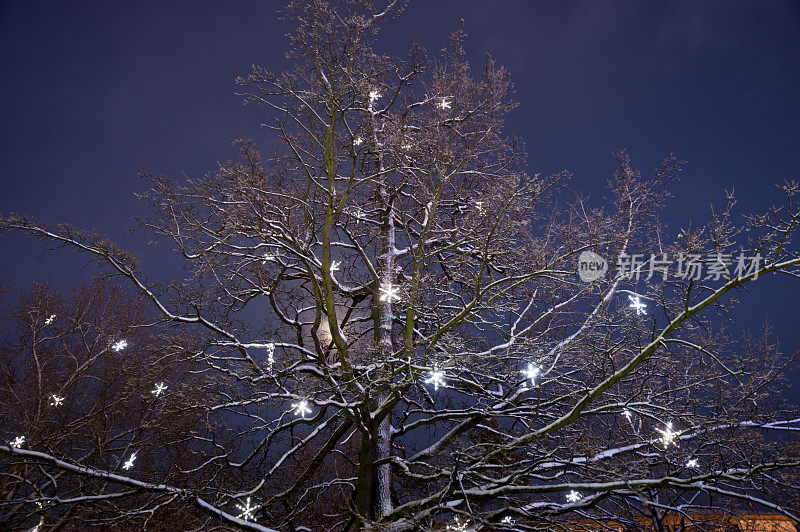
(364, 488)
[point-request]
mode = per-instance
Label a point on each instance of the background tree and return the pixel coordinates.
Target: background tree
(389, 331)
(85, 380)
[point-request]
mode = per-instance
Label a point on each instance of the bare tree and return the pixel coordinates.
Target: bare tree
(391, 334)
(84, 380)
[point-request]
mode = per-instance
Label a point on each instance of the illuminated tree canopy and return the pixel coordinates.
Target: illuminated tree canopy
(383, 328)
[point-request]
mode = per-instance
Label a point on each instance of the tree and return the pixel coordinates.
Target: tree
(84, 381)
(391, 333)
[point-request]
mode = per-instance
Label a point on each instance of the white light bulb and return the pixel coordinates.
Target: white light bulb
(667, 435)
(637, 305)
(574, 496)
(301, 408)
(389, 292)
(129, 462)
(120, 345)
(435, 377)
(531, 373)
(247, 510)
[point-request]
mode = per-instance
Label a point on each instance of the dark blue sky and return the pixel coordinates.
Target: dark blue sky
(92, 92)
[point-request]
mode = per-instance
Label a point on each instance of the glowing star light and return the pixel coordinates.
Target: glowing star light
(120, 345)
(389, 292)
(56, 400)
(50, 319)
(692, 463)
(667, 435)
(374, 94)
(247, 510)
(435, 377)
(17, 442)
(358, 141)
(445, 103)
(159, 389)
(637, 305)
(129, 462)
(574, 496)
(531, 372)
(301, 408)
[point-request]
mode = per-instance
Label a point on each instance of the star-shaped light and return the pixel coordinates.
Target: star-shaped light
(374, 94)
(247, 510)
(667, 435)
(445, 102)
(531, 372)
(358, 141)
(692, 463)
(17, 442)
(574, 496)
(50, 319)
(435, 377)
(637, 305)
(301, 408)
(120, 345)
(56, 400)
(389, 292)
(129, 462)
(159, 389)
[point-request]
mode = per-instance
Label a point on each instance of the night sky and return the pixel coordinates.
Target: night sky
(93, 92)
